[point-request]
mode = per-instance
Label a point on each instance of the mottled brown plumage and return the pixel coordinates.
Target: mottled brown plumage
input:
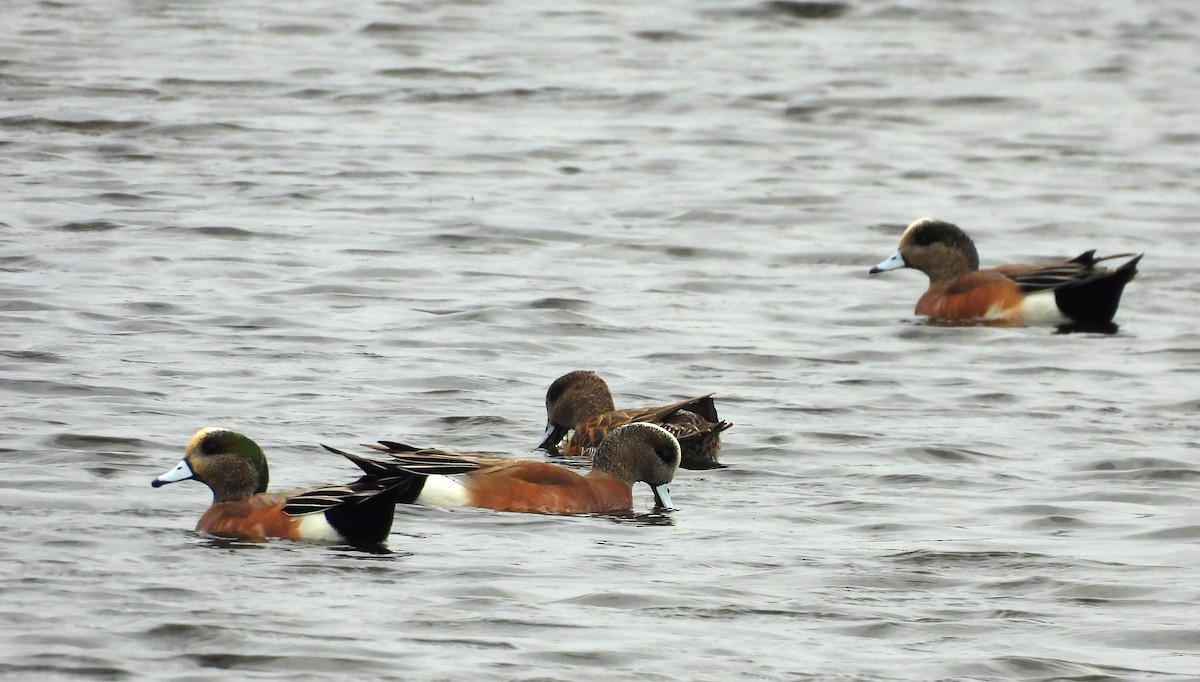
(580, 404)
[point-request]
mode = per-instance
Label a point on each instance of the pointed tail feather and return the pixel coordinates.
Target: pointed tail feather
(431, 465)
(1093, 302)
(370, 467)
(391, 446)
(1101, 259)
(1086, 259)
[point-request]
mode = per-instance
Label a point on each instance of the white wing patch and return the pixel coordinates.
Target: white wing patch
(443, 491)
(1040, 307)
(316, 527)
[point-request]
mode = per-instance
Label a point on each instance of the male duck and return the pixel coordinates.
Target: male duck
(580, 404)
(235, 469)
(1073, 294)
(630, 454)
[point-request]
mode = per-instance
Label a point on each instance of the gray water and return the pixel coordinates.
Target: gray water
(336, 222)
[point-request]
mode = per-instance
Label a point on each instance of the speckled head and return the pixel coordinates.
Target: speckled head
(939, 249)
(230, 464)
(572, 399)
(640, 452)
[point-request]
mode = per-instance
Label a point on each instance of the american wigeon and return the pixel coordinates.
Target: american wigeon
(1071, 294)
(580, 405)
(235, 469)
(628, 455)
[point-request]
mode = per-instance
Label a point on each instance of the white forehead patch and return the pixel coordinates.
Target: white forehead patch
(916, 224)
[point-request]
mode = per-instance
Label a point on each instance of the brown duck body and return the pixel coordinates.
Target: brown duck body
(635, 453)
(580, 404)
(542, 488)
(252, 519)
(1076, 293)
(235, 469)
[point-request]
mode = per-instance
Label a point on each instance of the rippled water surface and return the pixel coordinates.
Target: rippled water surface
(335, 222)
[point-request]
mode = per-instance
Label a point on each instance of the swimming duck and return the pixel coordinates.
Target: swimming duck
(634, 453)
(234, 467)
(580, 411)
(1073, 294)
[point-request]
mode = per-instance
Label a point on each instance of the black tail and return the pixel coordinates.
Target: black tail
(1092, 302)
(392, 447)
(371, 467)
(1087, 259)
(387, 475)
(367, 521)
(704, 407)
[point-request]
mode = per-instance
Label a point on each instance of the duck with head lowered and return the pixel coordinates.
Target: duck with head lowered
(580, 412)
(628, 455)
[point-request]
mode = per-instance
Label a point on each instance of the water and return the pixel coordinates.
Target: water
(338, 222)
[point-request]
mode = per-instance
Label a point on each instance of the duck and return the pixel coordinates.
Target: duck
(631, 454)
(235, 469)
(580, 411)
(1074, 294)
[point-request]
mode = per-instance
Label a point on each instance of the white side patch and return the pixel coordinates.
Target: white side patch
(997, 312)
(443, 491)
(316, 527)
(1041, 308)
